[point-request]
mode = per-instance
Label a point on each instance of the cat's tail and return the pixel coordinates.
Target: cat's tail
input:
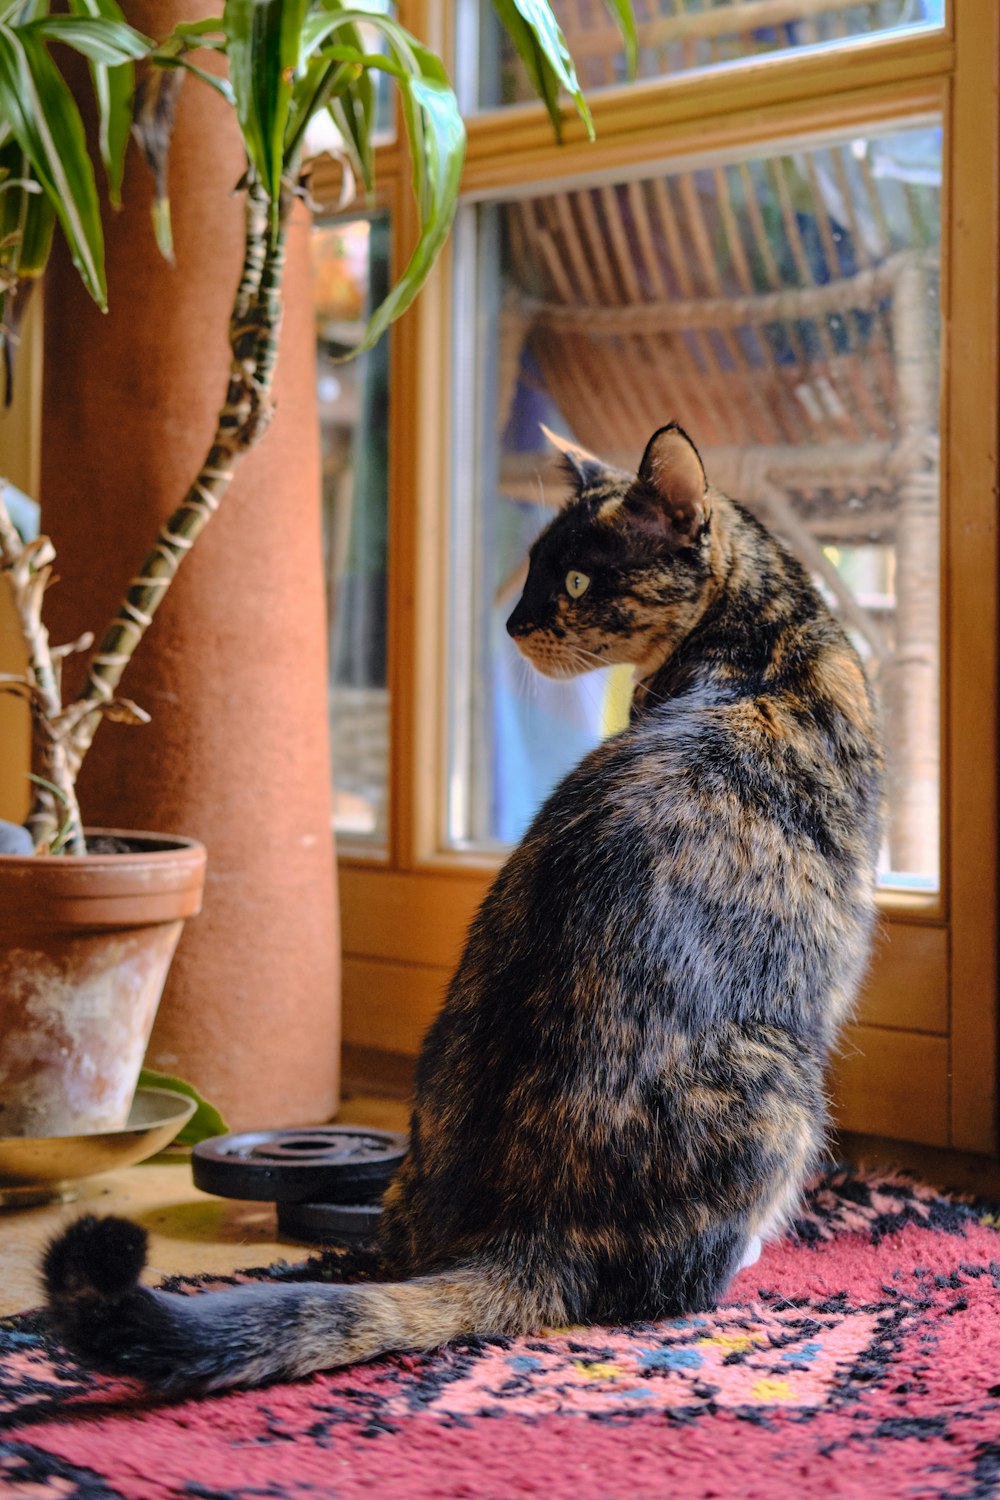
(249, 1334)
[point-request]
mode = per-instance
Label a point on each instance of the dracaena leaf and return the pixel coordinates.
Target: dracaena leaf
(114, 87)
(350, 99)
(192, 36)
(535, 32)
(179, 60)
(26, 222)
(339, 77)
(209, 32)
(263, 43)
(155, 114)
(437, 146)
(20, 12)
(98, 36)
(26, 215)
(622, 12)
(435, 137)
(353, 113)
(46, 121)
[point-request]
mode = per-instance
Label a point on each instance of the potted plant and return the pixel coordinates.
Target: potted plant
(64, 945)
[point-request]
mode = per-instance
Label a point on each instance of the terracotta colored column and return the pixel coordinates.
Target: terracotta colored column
(233, 669)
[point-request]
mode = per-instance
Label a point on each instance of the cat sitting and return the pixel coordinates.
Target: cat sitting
(623, 1093)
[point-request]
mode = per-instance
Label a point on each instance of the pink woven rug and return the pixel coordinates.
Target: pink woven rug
(860, 1357)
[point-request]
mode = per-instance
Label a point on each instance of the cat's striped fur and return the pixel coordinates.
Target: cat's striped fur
(624, 1089)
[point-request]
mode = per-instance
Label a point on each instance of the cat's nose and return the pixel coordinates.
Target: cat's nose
(517, 624)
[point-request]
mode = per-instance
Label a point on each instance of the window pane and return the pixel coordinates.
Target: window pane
(351, 271)
(784, 309)
(676, 36)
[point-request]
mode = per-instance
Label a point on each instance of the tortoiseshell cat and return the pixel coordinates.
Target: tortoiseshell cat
(624, 1090)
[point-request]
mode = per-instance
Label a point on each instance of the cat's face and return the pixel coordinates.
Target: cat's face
(621, 574)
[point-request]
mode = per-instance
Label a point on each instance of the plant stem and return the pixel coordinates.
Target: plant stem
(245, 414)
(28, 567)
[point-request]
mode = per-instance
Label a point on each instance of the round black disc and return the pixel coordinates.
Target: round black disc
(330, 1223)
(319, 1164)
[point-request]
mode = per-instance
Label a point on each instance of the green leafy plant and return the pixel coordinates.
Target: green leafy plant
(206, 1120)
(288, 61)
(45, 168)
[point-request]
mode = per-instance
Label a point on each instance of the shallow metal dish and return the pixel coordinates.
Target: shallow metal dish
(36, 1168)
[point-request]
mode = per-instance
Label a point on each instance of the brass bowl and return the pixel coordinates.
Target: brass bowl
(36, 1169)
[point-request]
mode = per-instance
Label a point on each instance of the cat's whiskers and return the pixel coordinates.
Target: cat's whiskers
(525, 679)
(584, 654)
(585, 684)
(564, 691)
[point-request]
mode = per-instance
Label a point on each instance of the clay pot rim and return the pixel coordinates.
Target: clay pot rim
(67, 892)
(155, 843)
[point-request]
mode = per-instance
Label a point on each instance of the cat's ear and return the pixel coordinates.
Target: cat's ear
(583, 467)
(672, 491)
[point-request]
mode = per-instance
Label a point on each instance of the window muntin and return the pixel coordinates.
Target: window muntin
(351, 273)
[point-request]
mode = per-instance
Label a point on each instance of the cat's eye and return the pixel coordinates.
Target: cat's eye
(576, 583)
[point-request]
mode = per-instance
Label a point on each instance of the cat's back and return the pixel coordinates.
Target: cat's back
(719, 852)
(786, 755)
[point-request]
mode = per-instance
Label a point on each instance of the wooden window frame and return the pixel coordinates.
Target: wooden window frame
(920, 1063)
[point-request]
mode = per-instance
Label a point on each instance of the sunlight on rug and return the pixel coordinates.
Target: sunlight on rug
(860, 1356)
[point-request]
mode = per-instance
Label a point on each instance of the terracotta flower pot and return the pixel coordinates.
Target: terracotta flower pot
(85, 945)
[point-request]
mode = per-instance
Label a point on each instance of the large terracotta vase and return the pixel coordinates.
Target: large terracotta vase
(233, 669)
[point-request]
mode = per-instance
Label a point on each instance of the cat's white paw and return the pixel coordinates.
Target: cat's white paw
(751, 1254)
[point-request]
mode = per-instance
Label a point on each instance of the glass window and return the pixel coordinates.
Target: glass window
(676, 36)
(784, 309)
(351, 272)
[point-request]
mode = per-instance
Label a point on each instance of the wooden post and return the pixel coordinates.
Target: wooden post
(913, 732)
(19, 447)
(233, 669)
